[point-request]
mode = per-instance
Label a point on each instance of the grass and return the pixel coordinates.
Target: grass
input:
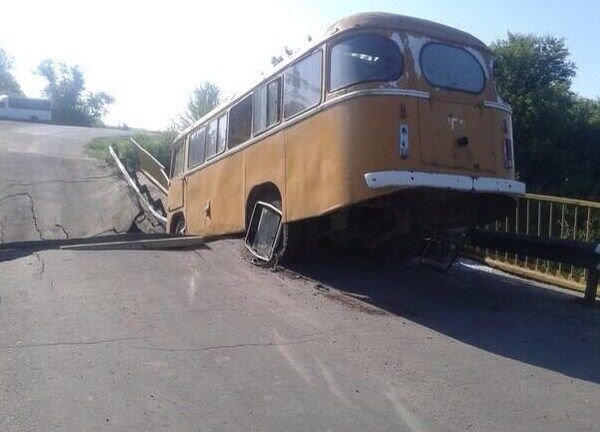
(157, 143)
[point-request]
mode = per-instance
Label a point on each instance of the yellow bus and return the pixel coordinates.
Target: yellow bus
(387, 127)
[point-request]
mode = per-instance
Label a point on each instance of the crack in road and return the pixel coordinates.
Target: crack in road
(1, 230)
(63, 230)
(34, 217)
(234, 346)
(32, 208)
(42, 269)
(13, 195)
(76, 180)
(73, 343)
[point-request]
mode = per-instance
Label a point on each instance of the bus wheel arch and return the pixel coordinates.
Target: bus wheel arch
(177, 225)
(267, 192)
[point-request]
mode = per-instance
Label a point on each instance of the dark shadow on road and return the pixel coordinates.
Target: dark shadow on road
(507, 316)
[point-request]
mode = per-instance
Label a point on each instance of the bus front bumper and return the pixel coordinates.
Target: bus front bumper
(416, 179)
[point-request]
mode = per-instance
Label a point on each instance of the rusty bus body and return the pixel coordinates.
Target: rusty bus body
(388, 125)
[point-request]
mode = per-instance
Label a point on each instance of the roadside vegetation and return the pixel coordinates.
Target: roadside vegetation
(556, 131)
(157, 143)
(71, 103)
(202, 100)
(8, 83)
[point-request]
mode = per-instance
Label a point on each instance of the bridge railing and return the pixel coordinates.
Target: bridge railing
(546, 216)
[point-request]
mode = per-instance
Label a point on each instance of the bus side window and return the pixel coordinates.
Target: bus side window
(177, 162)
(211, 139)
(273, 98)
(266, 106)
(2, 104)
(222, 135)
(197, 147)
(302, 85)
(240, 122)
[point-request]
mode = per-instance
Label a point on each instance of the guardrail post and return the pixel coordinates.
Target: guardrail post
(591, 285)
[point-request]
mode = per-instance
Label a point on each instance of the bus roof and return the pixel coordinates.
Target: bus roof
(405, 23)
(365, 20)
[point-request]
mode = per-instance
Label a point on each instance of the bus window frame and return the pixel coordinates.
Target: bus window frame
(281, 125)
(249, 94)
(189, 138)
(334, 41)
(183, 142)
(462, 48)
(226, 115)
(266, 84)
(319, 101)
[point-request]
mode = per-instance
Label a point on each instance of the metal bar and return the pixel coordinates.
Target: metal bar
(129, 180)
(506, 231)
(496, 225)
(562, 230)
(587, 236)
(527, 225)
(539, 230)
(577, 253)
(574, 237)
(561, 200)
(517, 228)
(587, 224)
(149, 244)
(591, 285)
(550, 223)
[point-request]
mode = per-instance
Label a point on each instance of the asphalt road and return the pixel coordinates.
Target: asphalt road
(204, 341)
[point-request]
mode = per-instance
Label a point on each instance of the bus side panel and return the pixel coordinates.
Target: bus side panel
(373, 142)
(316, 164)
(175, 196)
(215, 199)
(265, 163)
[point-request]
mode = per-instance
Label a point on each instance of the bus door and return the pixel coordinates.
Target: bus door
(176, 186)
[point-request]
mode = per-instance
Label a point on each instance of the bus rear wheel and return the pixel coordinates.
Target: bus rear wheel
(179, 226)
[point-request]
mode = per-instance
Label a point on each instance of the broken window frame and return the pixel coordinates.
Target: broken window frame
(250, 232)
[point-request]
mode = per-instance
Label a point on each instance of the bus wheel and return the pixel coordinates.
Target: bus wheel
(33, 119)
(179, 226)
(290, 242)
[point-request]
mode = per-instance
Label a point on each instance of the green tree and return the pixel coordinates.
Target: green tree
(72, 105)
(203, 99)
(8, 83)
(553, 128)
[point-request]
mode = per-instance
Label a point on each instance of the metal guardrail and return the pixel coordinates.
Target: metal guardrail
(551, 217)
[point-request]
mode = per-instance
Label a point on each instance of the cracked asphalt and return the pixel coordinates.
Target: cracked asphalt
(204, 341)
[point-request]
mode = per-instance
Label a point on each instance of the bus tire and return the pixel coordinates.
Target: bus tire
(178, 225)
(290, 243)
(34, 119)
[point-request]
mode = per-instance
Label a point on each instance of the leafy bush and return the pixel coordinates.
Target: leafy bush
(157, 143)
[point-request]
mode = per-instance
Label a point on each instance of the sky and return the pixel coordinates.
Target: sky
(149, 55)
